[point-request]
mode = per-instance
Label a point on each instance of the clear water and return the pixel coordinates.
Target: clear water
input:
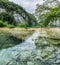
(26, 53)
(24, 50)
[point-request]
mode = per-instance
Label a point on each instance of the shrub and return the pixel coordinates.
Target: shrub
(10, 26)
(23, 25)
(2, 24)
(9, 18)
(5, 24)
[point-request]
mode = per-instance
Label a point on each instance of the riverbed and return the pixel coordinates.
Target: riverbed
(28, 53)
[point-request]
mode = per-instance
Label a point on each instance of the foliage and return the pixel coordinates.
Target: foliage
(23, 25)
(32, 17)
(5, 24)
(12, 8)
(2, 24)
(5, 16)
(5, 0)
(53, 15)
(47, 10)
(10, 26)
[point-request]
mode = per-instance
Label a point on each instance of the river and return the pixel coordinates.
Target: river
(27, 53)
(23, 49)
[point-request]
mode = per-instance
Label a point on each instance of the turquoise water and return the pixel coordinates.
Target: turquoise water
(27, 53)
(18, 55)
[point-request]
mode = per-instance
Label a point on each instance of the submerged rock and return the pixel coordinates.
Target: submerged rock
(49, 47)
(45, 53)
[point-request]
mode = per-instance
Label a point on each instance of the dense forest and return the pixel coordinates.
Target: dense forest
(11, 9)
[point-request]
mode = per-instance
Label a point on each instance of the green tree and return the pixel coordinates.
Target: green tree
(5, 16)
(53, 15)
(43, 10)
(12, 8)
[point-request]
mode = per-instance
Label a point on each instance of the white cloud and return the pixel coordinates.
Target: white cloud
(29, 5)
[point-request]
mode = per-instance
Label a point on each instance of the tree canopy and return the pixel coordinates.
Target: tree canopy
(54, 15)
(13, 8)
(6, 17)
(48, 11)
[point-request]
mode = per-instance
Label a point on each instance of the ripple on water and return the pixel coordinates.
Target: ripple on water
(27, 54)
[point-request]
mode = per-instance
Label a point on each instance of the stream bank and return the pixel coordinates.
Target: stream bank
(12, 37)
(36, 50)
(17, 55)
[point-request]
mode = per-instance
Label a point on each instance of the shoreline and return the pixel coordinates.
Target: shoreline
(17, 29)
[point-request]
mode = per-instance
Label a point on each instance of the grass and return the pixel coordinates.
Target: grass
(12, 37)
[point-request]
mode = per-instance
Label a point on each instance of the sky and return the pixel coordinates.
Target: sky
(29, 5)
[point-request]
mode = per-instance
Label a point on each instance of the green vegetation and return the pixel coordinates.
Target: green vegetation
(54, 15)
(11, 37)
(5, 24)
(45, 13)
(23, 26)
(5, 0)
(48, 12)
(5, 16)
(2, 24)
(12, 8)
(33, 18)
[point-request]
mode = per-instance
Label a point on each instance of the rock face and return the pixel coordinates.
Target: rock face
(2, 10)
(55, 23)
(19, 19)
(20, 14)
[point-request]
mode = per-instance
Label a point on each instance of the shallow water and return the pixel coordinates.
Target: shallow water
(27, 53)
(23, 49)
